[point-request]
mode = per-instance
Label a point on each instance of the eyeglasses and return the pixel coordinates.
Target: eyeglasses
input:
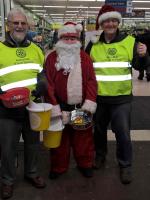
(17, 23)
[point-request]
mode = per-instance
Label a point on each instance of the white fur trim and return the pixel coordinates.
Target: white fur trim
(74, 84)
(108, 15)
(67, 29)
(94, 39)
(79, 27)
(56, 111)
(89, 106)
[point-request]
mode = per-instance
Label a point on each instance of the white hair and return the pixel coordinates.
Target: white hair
(15, 11)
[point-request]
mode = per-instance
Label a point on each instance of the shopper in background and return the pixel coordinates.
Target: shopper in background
(55, 36)
(20, 62)
(114, 55)
(72, 84)
(32, 33)
(144, 38)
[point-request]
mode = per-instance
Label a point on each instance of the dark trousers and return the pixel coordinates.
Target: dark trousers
(10, 132)
(82, 144)
(119, 117)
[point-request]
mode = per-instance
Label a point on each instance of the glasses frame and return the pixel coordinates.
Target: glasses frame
(16, 23)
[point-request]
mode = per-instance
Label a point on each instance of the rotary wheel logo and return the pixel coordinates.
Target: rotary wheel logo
(21, 53)
(112, 51)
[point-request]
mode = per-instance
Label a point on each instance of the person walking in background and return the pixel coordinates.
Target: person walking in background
(71, 84)
(20, 62)
(144, 38)
(114, 55)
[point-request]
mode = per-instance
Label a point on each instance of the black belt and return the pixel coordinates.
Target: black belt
(67, 107)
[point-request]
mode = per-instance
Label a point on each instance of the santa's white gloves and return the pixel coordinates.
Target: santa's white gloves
(65, 117)
(89, 106)
(56, 111)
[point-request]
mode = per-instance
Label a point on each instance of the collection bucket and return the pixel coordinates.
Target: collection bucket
(52, 136)
(39, 115)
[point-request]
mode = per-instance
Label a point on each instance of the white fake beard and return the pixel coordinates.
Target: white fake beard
(68, 55)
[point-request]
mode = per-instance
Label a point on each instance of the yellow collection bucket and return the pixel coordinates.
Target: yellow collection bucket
(52, 136)
(39, 116)
(52, 139)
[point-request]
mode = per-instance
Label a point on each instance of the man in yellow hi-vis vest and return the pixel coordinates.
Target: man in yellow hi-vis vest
(114, 55)
(20, 63)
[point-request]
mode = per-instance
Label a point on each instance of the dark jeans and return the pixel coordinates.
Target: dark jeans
(10, 133)
(119, 116)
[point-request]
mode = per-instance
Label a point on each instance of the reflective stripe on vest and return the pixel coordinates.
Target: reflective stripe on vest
(19, 84)
(113, 78)
(98, 65)
(20, 67)
(111, 64)
(110, 75)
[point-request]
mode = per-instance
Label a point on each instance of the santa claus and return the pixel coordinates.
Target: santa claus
(71, 84)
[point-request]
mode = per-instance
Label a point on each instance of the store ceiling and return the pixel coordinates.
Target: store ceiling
(75, 10)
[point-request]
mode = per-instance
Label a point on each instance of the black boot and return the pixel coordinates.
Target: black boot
(141, 75)
(126, 175)
(86, 172)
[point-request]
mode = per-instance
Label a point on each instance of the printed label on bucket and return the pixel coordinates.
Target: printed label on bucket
(35, 121)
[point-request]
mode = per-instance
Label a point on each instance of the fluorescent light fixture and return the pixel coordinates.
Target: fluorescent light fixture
(79, 7)
(39, 13)
(54, 6)
(72, 11)
(136, 8)
(98, 7)
(56, 14)
(34, 6)
(141, 1)
(39, 10)
(136, 19)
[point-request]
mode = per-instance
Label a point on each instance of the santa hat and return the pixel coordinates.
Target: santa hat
(70, 29)
(106, 12)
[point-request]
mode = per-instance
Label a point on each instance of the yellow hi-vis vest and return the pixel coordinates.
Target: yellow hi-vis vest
(19, 66)
(112, 66)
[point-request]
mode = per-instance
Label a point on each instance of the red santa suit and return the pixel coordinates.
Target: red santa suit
(61, 92)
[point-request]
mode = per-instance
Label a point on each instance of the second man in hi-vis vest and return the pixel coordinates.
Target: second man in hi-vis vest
(114, 55)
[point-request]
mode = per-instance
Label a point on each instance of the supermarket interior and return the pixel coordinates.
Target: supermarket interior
(46, 17)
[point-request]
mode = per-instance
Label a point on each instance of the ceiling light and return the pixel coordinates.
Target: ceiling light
(39, 10)
(72, 11)
(34, 6)
(54, 6)
(136, 8)
(56, 14)
(140, 1)
(98, 7)
(77, 7)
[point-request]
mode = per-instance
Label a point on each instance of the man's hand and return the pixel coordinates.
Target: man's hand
(141, 49)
